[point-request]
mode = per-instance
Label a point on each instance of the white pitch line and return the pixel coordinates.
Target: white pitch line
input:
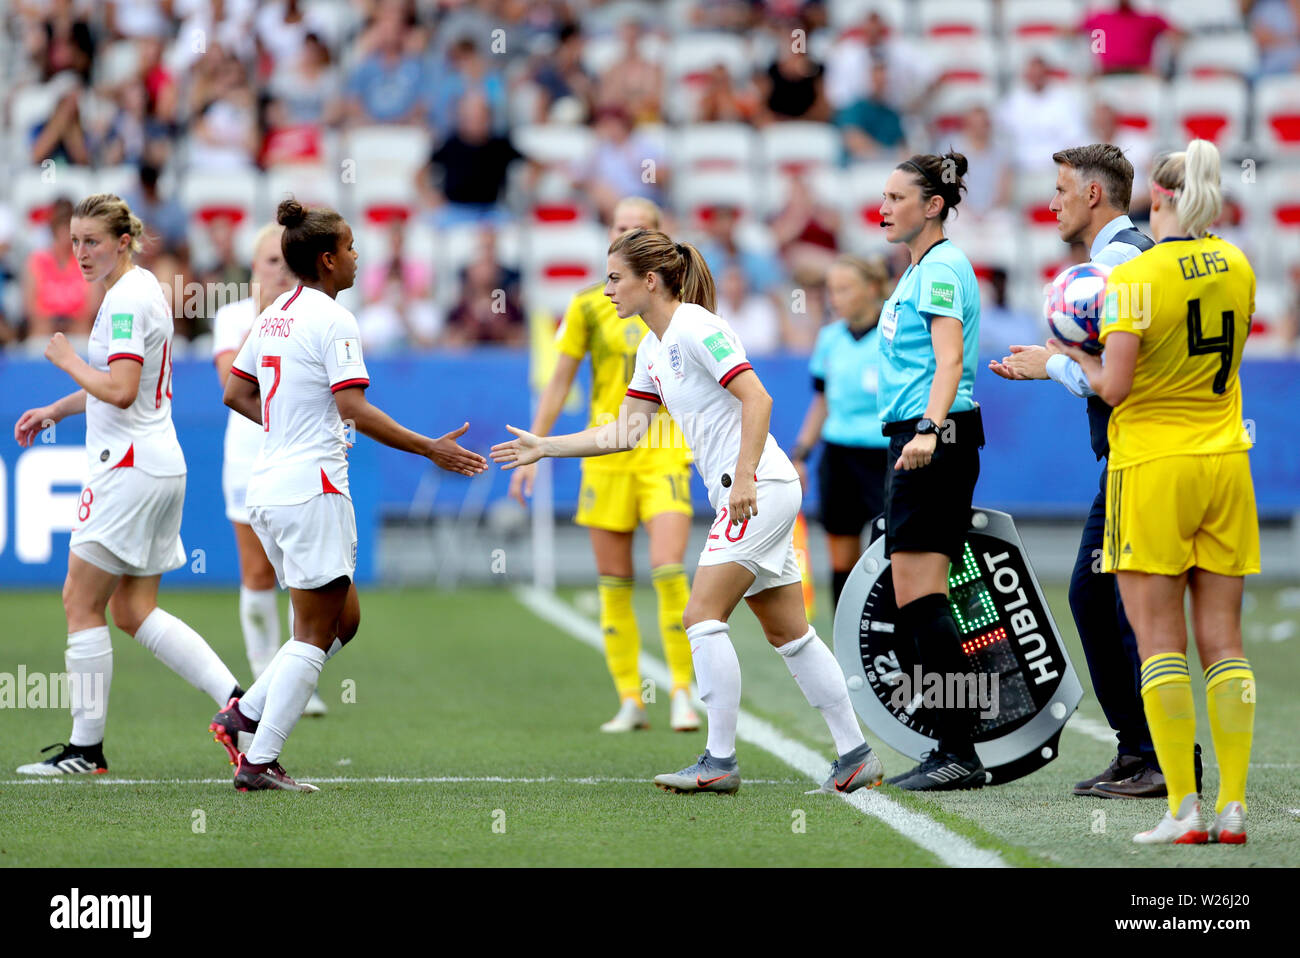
(380, 780)
(949, 847)
(1091, 728)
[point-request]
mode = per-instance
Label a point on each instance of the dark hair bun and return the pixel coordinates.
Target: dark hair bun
(959, 162)
(290, 214)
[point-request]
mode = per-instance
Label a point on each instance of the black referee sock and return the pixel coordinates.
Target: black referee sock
(938, 647)
(837, 586)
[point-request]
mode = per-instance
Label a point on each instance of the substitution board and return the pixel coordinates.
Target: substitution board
(1027, 687)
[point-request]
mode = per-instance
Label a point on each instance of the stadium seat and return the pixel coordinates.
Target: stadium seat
(309, 184)
(559, 260)
(799, 146)
(1277, 115)
(827, 184)
(972, 59)
(948, 107)
(387, 151)
(1201, 15)
(846, 15)
(1279, 216)
(1139, 102)
(714, 147)
(29, 108)
(554, 143)
(33, 190)
(1033, 196)
(1032, 19)
(1068, 58)
(688, 62)
(862, 186)
(122, 179)
(955, 18)
(1045, 255)
(1213, 110)
(1222, 54)
(695, 197)
(989, 250)
(230, 195)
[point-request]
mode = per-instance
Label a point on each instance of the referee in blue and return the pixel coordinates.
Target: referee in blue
(1093, 187)
(845, 371)
(929, 347)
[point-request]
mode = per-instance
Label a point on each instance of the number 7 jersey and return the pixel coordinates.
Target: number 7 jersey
(302, 349)
(1190, 302)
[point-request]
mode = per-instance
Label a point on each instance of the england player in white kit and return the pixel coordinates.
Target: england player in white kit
(129, 512)
(259, 614)
(692, 362)
(299, 375)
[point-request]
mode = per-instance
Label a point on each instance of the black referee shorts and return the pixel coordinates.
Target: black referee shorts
(852, 484)
(928, 509)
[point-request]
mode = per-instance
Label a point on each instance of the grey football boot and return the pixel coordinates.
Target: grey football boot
(708, 774)
(853, 770)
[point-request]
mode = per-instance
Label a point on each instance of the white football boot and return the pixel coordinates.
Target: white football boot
(630, 716)
(1185, 828)
(1229, 826)
(684, 718)
(315, 705)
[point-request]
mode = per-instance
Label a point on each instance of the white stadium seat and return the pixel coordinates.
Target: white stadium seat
(1139, 102)
(554, 143)
(800, 146)
(1234, 54)
(1201, 15)
(1212, 110)
(695, 196)
(847, 14)
(309, 184)
(972, 59)
(230, 195)
(32, 191)
(1277, 114)
(955, 18)
(714, 147)
(558, 260)
(1030, 19)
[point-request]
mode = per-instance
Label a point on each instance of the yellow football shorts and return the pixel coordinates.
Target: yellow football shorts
(1170, 514)
(619, 501)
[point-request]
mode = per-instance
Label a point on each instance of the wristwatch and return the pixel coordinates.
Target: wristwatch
(927, 427)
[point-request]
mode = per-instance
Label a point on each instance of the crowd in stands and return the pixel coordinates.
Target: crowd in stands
(478, 146)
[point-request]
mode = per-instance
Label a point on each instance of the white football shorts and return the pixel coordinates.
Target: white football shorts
(763, 544)
(310, 544)
(129, 522)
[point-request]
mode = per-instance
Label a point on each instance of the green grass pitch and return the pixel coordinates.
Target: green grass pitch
(459, 689)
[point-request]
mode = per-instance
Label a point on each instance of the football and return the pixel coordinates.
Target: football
(1074, 302)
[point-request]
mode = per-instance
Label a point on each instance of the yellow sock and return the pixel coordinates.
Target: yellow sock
(622, 639)
(1171, 716)
(673, 591)
(1230, 695)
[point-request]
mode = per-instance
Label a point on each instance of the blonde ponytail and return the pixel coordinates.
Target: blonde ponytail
(1193, 177)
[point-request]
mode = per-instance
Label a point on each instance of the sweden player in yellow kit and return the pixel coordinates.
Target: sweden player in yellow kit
(1180, 503)
(647, 485)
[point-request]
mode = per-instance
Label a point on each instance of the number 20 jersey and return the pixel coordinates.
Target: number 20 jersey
(302, 349)
(1190, 302)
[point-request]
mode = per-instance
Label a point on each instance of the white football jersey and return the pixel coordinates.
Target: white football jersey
(134, 322)
(229, 327)
(688, 371)
(302, 349)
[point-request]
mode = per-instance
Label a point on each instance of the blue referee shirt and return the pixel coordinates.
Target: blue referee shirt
(941, 284)
(848, 367)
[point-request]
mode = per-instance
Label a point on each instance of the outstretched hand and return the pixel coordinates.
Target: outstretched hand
(1025, 362)
(448, 454)
(521, 451)
(32, 422)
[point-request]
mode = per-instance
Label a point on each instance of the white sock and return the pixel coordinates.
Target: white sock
(253, 702)
(89, 661)
(296, 673)
(183, 650)
(717, 672)
(821, 679)
(259, 616)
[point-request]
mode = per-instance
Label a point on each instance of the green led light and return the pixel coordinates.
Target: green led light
(969, 571)
(972, 607)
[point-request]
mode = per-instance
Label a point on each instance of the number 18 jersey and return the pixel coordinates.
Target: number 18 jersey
(1190, 302)
(302, 349)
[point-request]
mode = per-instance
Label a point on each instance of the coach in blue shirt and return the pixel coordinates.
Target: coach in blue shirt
(845, 372)
(1093, 188)
(929, 344)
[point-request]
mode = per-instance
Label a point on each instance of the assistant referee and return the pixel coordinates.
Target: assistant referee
(929, 347)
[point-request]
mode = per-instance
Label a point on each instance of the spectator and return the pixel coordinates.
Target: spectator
(725, 100)
(414, 274)
(721, 249)
(1137, 145)
(633, 81)
(66, 42)
(159, 83)
(309, 86)
(287, 142)
(1000, 326)
(1039, 118)
(805, 229)
(848, 66)
(392, 321)
(754, 317)
(1275, 24)
(472, 164)
(386, 86)
(465, 72)
(56, 297)
(224, 125)
(163, 217)
(283, 27)
(61, 137)
(226, 272)
(623, 163)
(871, 126)
(488, 310)
(562, 82)
(989, 176)
(1127, 37)
(791, 89)
(127, 135)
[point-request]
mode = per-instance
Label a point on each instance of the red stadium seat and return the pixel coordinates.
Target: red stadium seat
(1139, 102)
(1035, 19)
(1213, 110)
(1277, 112)
(955, 18)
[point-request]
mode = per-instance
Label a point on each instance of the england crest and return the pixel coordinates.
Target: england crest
(675, 357)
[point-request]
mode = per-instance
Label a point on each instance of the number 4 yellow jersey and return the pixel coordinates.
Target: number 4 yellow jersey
(592, 325)
(1190, 302)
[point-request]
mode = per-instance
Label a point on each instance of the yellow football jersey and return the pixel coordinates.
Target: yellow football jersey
(1190, 301)
(591, 325)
